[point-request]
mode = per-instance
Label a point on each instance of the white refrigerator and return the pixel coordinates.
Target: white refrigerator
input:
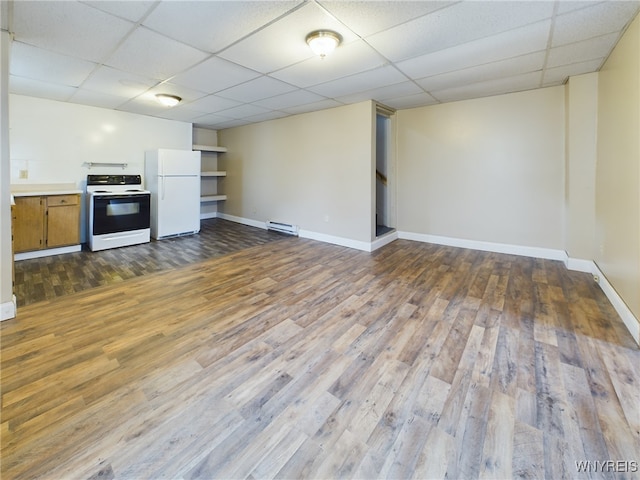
(173, 178)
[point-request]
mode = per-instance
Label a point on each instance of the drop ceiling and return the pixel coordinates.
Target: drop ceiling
(240, 62)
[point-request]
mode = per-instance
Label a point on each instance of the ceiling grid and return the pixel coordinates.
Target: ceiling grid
(235, 63)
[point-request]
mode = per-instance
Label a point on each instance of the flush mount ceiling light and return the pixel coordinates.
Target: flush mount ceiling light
(168, 100)
(323, 42)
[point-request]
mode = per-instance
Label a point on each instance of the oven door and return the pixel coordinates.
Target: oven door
(121, 212)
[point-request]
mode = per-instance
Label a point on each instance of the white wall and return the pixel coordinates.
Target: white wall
(53, 141)
(618, 169)
(313, 170)
(7, 306)
(581, 95)
(489, 169)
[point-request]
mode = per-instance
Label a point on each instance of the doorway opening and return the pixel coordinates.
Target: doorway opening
(384, 176)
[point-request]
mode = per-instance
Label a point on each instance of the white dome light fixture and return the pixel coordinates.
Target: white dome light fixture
(323, 42)
(168, 100)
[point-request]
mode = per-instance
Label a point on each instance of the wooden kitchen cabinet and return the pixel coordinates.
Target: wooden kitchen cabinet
(28, 224)
(49, 221)
(63, 220)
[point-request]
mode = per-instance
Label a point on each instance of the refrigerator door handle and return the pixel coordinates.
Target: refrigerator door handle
(163, 188)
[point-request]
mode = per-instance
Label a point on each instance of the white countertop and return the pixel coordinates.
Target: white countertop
(34, 190)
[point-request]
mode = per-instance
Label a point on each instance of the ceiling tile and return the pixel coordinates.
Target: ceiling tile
(291, 99)
(367, 18)
(529, 39)
(215, 121)
(127, 9)
(410, 101)
(263, 117)
(401, 89)
(460, 23)
(565, 7)
(214, 25)
(283, 43)
(558, 75)
(40, 64)
(144, 105)
(213, 75)
(516, 83)
(368, 80)
(212, 104)
(180, 113)
(186, 94)
(242, 111)
(346, 60)
(600, 19)
(69, 28)
(312, 107)
(152, 55)
(598, 47)
(96, 99)
(257, 89)
(37, 88)
(115, 82)
(490, 71)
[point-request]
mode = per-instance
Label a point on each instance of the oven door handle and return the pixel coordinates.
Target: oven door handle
(127, 196)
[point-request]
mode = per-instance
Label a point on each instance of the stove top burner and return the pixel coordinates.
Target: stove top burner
(115, 184)
(125, 180)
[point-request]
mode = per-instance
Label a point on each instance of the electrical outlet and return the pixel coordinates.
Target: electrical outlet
(596, 278)
(24, 174)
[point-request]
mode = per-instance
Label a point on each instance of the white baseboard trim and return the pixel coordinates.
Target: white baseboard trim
(8, 309)
(627, 316)
(383, 240)
(47, 252)
(341, 241)
(347, 242)
(321, 237)
(205, 216)
(242, 220)
(580, 265)
(536, 252)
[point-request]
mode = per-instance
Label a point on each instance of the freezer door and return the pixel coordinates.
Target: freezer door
(178, 206)
(178, 162)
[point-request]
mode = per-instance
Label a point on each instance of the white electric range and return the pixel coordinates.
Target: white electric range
(118, 210)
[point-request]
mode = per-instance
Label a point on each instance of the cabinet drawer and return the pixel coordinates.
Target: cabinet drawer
(59, 200)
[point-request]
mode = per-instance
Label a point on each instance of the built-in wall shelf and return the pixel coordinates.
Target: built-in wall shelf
(212, 174)
(212, 198)
(106, 164)
(209, 148)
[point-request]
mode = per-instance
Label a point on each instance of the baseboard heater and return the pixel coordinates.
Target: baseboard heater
(283, 228)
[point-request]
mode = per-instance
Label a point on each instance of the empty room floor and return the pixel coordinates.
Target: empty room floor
(298, 359)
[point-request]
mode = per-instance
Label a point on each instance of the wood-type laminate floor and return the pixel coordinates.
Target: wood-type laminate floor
(297, 359)
(54, 276)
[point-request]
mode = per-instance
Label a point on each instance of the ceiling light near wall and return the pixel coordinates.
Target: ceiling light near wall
(168, 100)
(323, 42)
